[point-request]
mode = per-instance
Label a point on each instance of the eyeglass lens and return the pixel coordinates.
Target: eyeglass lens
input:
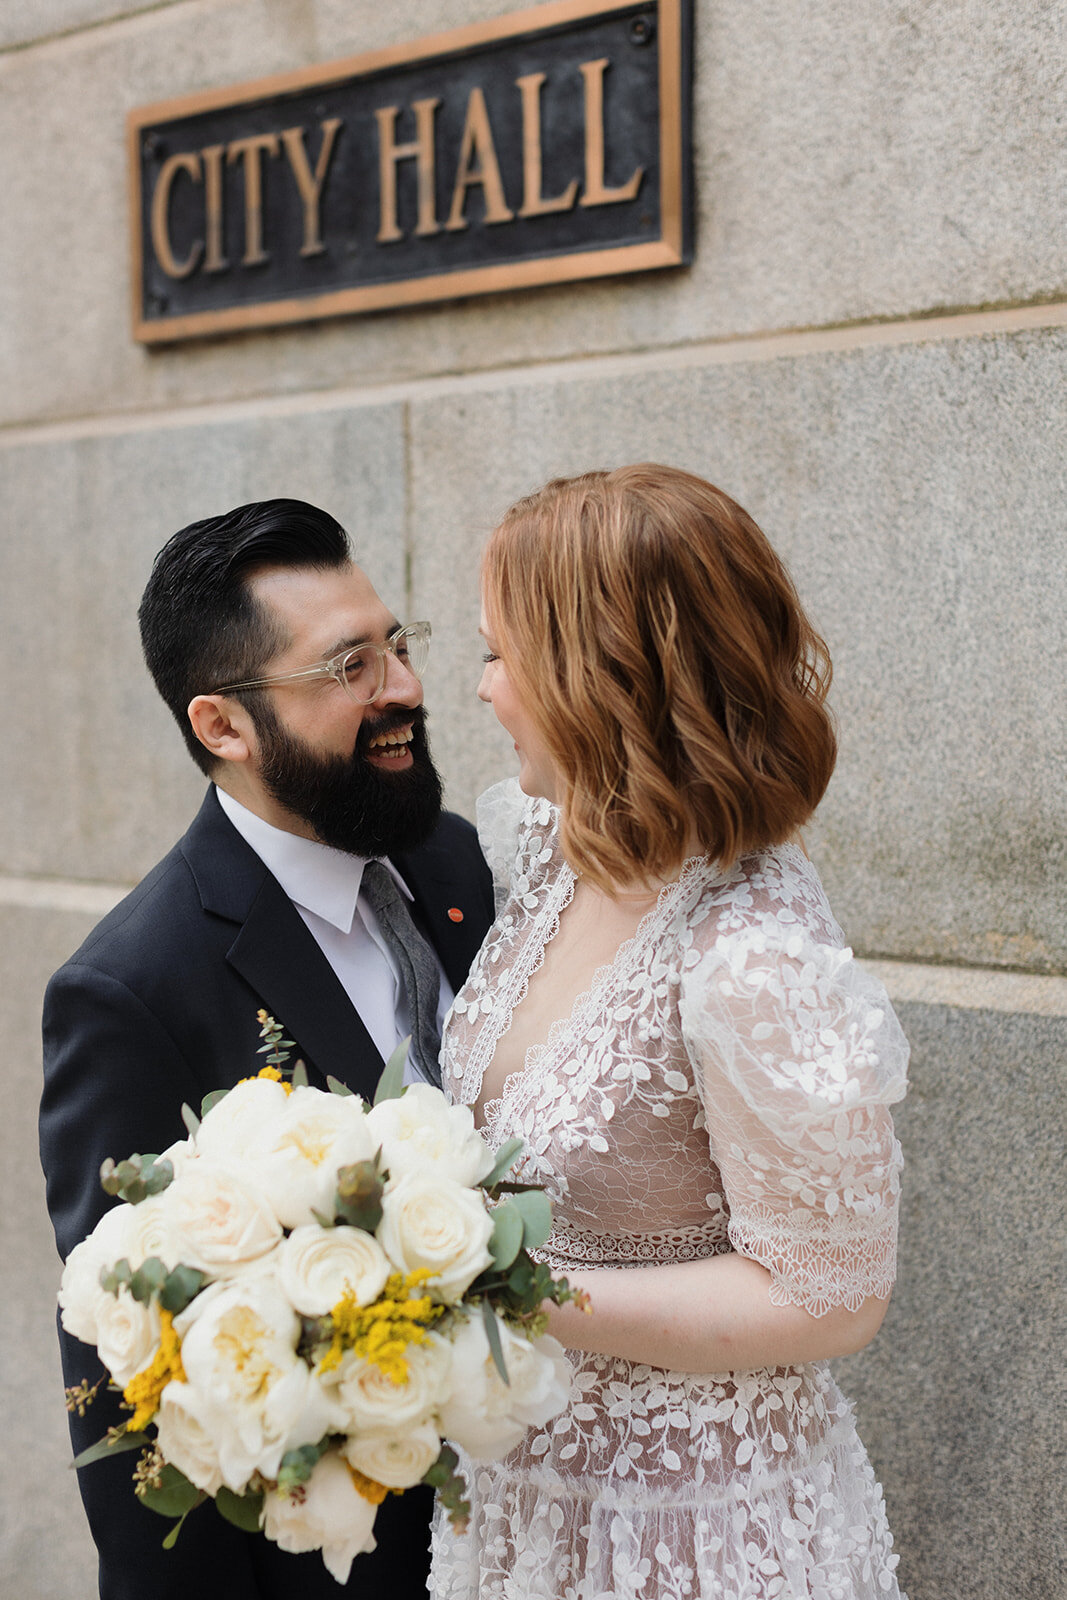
(363, 670)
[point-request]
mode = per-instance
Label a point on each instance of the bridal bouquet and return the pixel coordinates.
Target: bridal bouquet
(305, 1297)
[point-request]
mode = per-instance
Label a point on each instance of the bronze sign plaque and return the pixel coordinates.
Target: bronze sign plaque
(535, 148)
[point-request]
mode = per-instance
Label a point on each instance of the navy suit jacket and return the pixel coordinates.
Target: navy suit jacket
(157, 1008)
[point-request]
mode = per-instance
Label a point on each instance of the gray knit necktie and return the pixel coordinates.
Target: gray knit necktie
(418, 967)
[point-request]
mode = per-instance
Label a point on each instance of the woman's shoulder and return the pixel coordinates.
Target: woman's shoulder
(775, 892)
(518, 835)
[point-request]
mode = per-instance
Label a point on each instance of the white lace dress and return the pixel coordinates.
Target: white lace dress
(723, 1085)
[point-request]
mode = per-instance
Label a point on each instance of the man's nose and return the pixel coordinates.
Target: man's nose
(401, 686)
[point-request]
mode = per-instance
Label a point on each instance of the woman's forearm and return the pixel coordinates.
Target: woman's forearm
(705, 1316)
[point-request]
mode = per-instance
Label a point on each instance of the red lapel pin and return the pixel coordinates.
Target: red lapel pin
(455, 914)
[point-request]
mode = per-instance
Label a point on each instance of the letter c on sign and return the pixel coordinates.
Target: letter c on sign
(185, 161)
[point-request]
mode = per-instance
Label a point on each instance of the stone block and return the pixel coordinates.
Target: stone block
(915, 492)
(850, 164)
(45, 1549)
(104, 784)
(960, 1399)
(26, 22)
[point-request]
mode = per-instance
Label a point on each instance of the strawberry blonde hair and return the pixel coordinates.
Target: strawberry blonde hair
(665, 660)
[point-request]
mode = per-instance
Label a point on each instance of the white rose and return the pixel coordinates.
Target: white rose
(420, 1132)
(434, 1223)
(148, 1232)
(240, 1124)
(487, 1417)
(127, 1335)
(314, 1134)
(258, 1397)
(81, 1298)
(179, 1154)
(220, 1217)
(367, 1398)
(316, 1265)
(329, 1515)
(185, 1437)
(398, 1460)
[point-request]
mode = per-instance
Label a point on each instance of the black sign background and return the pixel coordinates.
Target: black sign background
(577, 242)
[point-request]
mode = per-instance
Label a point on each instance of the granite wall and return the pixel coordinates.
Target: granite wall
(868, 352)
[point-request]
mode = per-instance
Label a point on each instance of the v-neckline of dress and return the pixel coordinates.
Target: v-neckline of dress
(490, 1112)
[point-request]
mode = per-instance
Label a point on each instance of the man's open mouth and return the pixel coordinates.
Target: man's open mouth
(392, 744)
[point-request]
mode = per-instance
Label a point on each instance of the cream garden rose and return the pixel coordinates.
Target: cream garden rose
(420, 1132)
(81, 1298)
(187, 1427)
(487, 1417)
(328, 1514)
(254, 1395)
(313, 1135)
(317, 1265)
(435, 1223)
(398, 1459)
(240, 1124)
(127, 1335)
(366, 1398)
(221, 1218)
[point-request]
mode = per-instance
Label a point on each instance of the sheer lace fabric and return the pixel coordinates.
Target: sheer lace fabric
(723, 1085)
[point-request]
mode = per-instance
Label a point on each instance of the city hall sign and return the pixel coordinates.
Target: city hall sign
(541, 147)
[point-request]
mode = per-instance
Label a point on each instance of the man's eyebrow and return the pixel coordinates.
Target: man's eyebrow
(353, 643)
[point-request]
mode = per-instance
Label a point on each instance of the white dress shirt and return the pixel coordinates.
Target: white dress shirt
(324, 886)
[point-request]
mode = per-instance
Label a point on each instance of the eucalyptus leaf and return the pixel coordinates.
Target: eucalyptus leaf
(496, 1348)
(505, 1242)
(108, 1447)
(535, 1209)
(159, 1175)
(172, 1537)
(181, 1286)
(505, 1159)
(391, 1082)
(175, 1495)
(245, 1511)
(147, 1279)
(335, 1086)
(191, 1120)
(298, 1465)
(299, 1079)
(211, 1100)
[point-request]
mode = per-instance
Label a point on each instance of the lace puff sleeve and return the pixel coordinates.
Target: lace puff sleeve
(798, 1055)
(500, 813)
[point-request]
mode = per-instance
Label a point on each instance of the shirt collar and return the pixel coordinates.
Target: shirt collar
(315, 876)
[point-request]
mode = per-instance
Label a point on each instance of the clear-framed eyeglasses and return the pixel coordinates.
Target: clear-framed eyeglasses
(360, 671)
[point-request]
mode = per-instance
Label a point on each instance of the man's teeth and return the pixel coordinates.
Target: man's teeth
(393, 743)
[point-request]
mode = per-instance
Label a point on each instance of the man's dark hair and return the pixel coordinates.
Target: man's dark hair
(201, 626)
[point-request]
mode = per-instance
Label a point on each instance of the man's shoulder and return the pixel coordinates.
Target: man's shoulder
(151, 911)
(156, 920)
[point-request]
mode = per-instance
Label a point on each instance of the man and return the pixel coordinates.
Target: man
(298, 694)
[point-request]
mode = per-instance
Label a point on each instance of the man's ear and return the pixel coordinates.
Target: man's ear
(223, 727)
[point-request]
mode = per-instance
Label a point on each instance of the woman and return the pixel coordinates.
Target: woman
(664, 1011)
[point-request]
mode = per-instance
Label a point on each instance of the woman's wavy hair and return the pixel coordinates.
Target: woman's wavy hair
(663, 655)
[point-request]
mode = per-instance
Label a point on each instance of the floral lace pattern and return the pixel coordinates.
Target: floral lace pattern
(722, 1085)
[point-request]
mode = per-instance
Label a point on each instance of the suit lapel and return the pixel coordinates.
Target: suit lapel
(276, 954)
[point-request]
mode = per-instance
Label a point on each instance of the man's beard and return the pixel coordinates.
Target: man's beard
(349, 802)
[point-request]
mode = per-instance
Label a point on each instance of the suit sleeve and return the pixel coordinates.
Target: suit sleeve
(107, 1059)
